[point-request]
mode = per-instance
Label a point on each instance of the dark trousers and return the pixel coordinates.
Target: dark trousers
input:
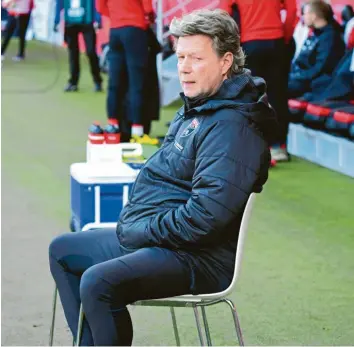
(22, 23)
(128, 58)
(71, 37)
(267, 59)
(92, 267)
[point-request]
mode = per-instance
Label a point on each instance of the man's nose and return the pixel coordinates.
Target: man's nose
(185, 66)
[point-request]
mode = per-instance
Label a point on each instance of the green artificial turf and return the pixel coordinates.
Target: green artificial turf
(297, 281)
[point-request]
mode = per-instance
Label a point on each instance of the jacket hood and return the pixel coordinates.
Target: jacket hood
(245, 93)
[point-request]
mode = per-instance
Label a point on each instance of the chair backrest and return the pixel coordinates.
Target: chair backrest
(239, 249)
(242, 235)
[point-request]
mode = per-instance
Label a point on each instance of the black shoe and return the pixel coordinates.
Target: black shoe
(98, 87)
(71, 88)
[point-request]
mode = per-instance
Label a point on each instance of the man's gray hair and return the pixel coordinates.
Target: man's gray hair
(219, 26)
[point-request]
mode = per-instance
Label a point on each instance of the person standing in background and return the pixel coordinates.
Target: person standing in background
(19, 16)
(128, 59)
(80, 17)
(264, 39)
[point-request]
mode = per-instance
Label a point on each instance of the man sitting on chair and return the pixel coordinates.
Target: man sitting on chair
(178, 232)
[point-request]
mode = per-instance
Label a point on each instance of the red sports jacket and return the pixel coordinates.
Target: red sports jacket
(261, 19)
(126, 12)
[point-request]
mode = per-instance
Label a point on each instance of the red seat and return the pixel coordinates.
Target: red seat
(297, 104)
(343, 117)
(317, 110)
(342, 121)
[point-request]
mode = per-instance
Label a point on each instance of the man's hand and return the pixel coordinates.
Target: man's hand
(97, 25)
(151, 17)
(56, 28)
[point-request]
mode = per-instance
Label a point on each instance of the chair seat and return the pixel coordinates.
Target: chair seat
(177, 301)
(184, 300)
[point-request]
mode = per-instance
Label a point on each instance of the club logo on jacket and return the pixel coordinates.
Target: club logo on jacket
(193, 125)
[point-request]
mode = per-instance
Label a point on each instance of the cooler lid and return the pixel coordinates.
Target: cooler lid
(102, 173)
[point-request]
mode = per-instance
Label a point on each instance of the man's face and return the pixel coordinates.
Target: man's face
(201, 71)
(309, 16)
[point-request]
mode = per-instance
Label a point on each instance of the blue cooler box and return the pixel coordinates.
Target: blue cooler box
(98, 193)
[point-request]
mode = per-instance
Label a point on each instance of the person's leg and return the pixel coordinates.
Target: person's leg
(69, 256)
(116, 72)
(290, 49)
(277, 81)
(90, 43)
(259, 57)
(107, 288)
(255, 57)
(265, 58)
(136, 54)
(23, 21)
(9, 31)
(72, 39)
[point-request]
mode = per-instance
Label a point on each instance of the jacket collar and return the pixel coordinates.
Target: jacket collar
(228, 95)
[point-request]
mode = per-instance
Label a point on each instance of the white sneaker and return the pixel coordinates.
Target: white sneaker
(279, 154)
(17, 58)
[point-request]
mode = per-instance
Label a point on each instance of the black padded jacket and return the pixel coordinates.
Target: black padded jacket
(190, 195)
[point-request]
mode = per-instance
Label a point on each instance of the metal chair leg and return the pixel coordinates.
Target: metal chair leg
(175, 329)
(51, 334)
(236, 321)
(79, 326)
(199, 328)
(206, 326)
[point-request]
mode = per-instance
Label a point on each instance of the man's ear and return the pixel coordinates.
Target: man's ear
(227, 60)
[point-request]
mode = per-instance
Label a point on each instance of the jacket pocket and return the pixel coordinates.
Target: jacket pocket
(132, 235)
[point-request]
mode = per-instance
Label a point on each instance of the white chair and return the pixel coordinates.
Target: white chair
(196, 301)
